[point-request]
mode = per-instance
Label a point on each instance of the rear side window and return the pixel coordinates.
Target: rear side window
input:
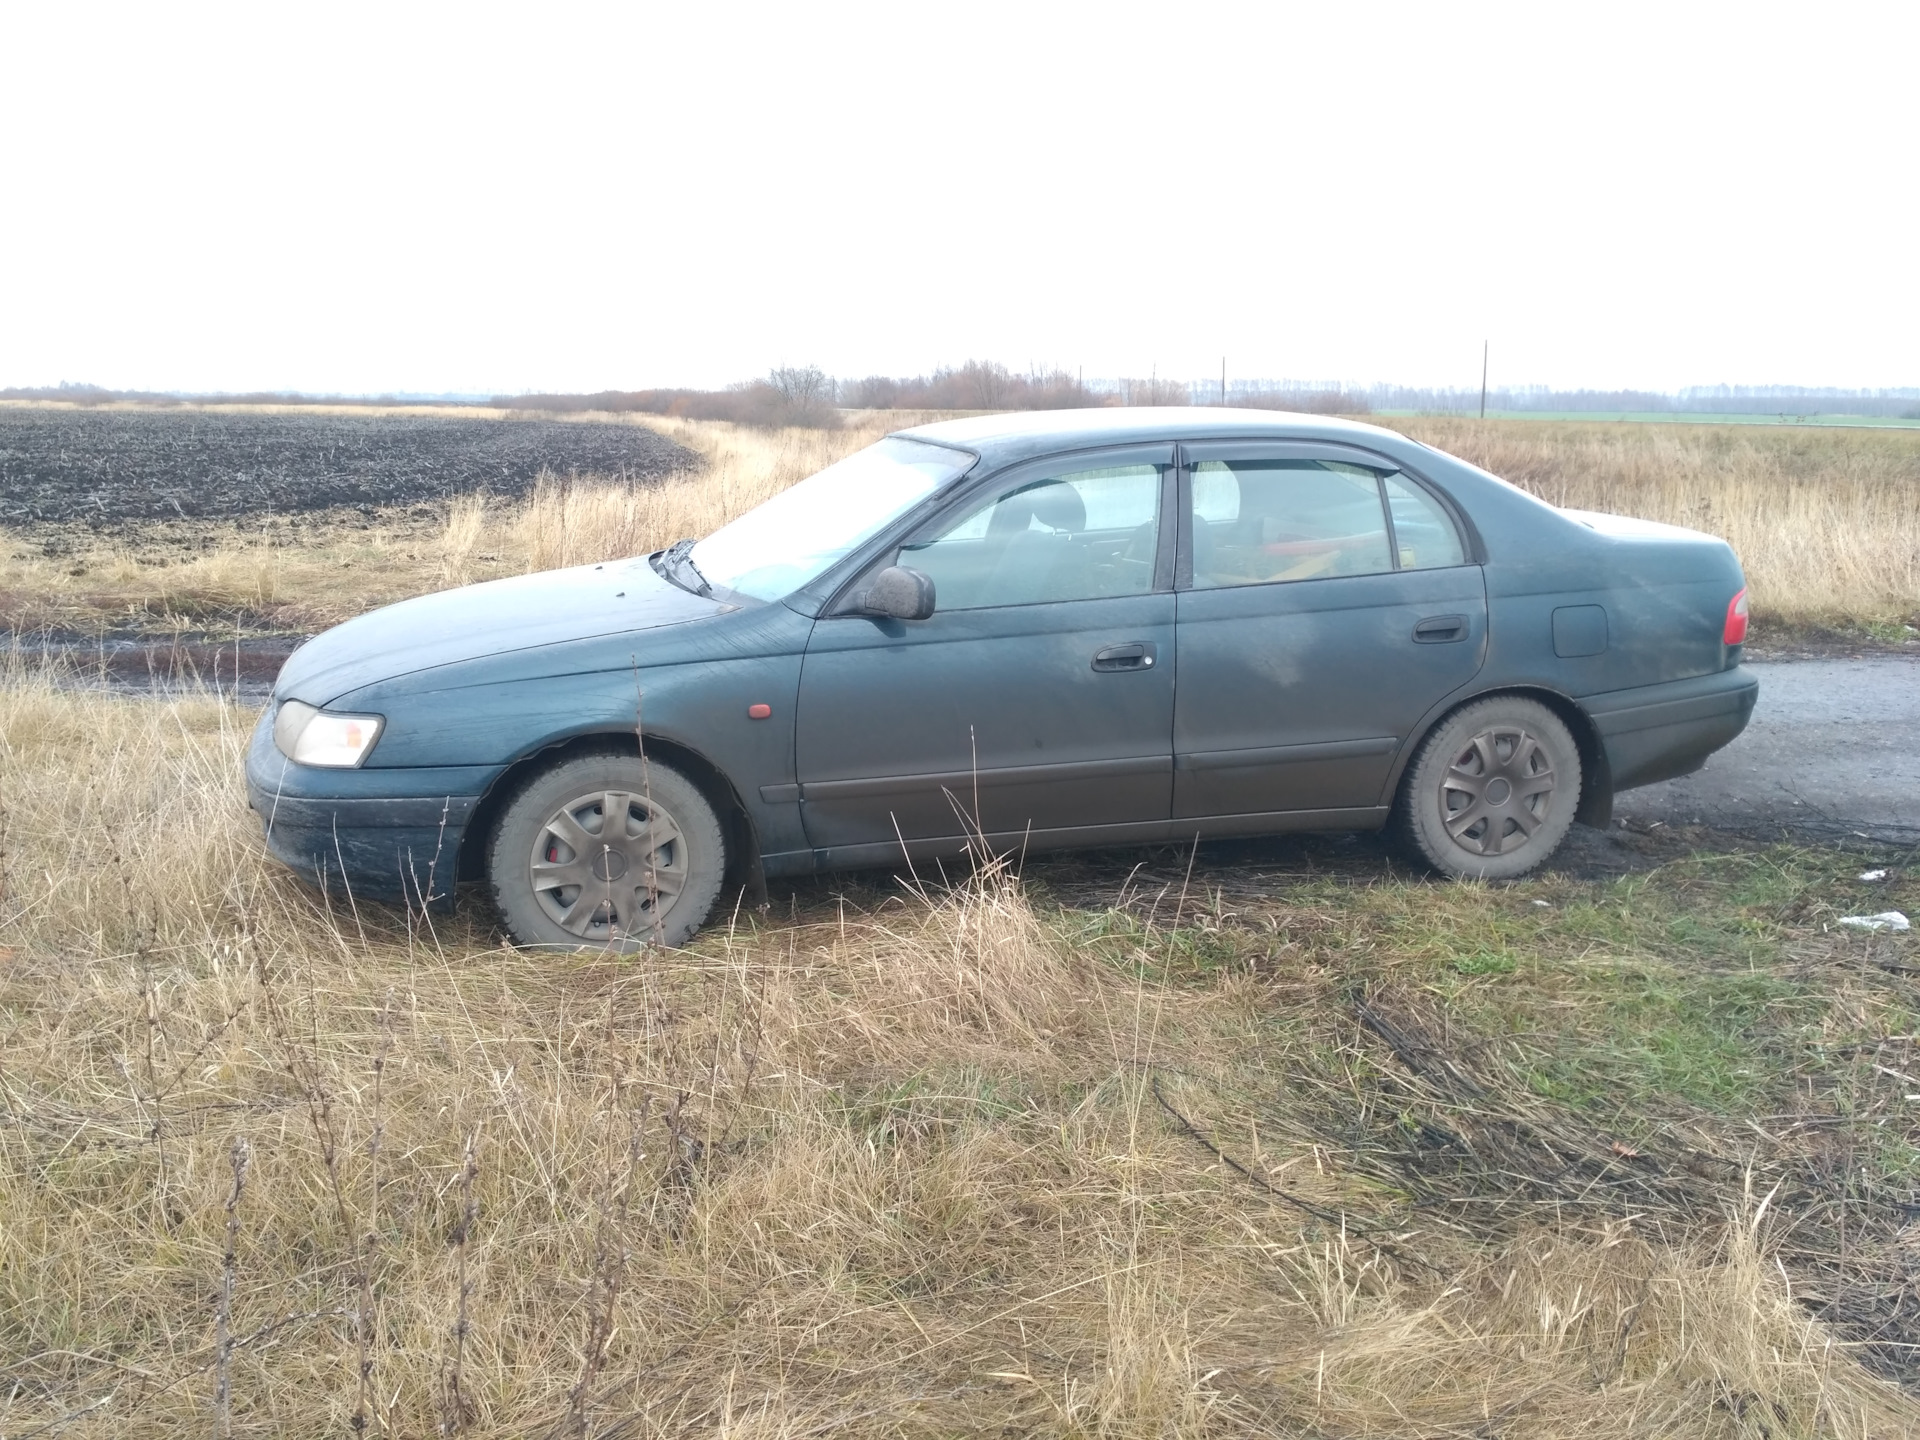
(1423, 532)
(1261, 521)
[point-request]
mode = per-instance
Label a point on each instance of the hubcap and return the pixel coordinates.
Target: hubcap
(1498, 791)
(608, 866)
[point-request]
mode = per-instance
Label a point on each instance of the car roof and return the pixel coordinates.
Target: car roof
(1020, 435)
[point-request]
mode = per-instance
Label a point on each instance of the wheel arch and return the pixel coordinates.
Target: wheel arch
(743, 840)
(1596, 776)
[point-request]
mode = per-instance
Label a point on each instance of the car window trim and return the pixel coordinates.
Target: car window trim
(1166, 550)
(1183, 520)
(1386, 510)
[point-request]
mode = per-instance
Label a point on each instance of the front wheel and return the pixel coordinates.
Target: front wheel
(1492, 791)
(607, 851)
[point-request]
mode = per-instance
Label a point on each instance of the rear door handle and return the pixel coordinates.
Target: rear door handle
(1440, 629)
(1135, 655)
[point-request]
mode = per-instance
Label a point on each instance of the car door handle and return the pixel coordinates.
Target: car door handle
(1440, 630)
(1136, 655)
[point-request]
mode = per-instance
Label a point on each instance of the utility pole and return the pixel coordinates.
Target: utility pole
(1483, 379)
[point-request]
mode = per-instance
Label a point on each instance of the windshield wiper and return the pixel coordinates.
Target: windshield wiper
(675, 565)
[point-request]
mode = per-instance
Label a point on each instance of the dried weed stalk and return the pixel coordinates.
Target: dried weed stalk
(456, 1406)
(365, 1317)
(240, 1156)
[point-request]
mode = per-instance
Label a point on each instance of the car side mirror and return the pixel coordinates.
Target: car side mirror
(900, 593)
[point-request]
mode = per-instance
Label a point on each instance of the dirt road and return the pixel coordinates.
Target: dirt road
(1833, 748)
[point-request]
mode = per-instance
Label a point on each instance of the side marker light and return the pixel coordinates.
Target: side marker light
(759, 712)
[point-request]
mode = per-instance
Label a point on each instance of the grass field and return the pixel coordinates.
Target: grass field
(1279, 1139)
(1282, 1142)
(1826, 522)
(1683, 417)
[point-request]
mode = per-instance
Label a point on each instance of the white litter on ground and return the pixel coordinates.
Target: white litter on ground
(1873, 874)
(1890, 920)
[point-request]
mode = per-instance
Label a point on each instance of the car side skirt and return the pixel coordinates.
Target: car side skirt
(1081, 837)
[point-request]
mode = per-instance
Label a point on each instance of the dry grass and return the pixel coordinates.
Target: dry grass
(1825, 521)
(580, 523)
(889, 1168)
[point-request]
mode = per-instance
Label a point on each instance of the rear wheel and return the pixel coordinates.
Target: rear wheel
(1492, 791)
(607, 852)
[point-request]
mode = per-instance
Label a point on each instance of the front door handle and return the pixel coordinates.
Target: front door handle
(1135, 655)
(1440, 629)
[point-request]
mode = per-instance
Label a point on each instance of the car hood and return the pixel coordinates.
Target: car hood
(494, 618)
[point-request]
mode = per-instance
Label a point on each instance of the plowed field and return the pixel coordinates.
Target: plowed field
(115, 468)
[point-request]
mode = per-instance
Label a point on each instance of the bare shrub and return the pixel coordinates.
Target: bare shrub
(876, 392)
(790, 396)
(976, 385)
(1153, 391)
(806, 396)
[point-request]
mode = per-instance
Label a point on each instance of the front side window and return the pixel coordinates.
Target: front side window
(794, 538)
(1260, 521)
(1078, 535)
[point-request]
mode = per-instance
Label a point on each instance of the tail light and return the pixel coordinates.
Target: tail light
(1735, 632)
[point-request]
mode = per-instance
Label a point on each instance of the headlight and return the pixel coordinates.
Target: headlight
(308, 736)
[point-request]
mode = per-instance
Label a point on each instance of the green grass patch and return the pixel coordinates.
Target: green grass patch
(1680, 988)
(1486, 962)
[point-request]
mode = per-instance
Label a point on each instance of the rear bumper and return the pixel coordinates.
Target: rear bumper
(377, 834)
(1655, 732)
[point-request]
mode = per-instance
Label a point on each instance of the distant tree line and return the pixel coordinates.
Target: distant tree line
(68, 392)
(976, 385)
(805, 395)
(809, 396)
(801, 395)
(1903, 403)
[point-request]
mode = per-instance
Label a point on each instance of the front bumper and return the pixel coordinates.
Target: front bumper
(1655, 732)
(370, 833)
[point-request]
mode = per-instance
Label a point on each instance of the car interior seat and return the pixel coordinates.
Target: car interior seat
(1039, 555)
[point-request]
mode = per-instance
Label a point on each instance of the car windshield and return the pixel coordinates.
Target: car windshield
(777, 548)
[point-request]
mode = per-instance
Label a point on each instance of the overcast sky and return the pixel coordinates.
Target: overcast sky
(496, 199)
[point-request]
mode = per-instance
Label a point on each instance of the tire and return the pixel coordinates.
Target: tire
(558, 884)
(1492, 791)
